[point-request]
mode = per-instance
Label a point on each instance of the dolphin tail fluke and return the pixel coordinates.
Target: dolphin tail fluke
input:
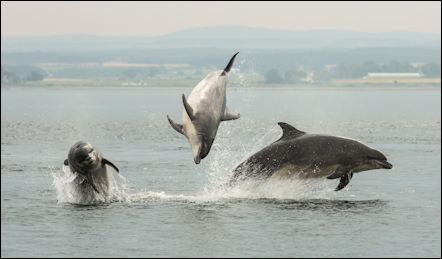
(107, 162)
(229, 65)
(188, 108)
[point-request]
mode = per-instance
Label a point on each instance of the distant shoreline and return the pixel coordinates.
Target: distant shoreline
(179, 82)
(325, 86)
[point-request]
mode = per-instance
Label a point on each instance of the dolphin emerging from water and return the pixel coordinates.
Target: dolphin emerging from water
(203, 112)
(305, 155)
(87, 163)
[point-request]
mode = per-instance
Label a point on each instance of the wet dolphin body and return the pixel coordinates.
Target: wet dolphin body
(88, 163)
(310, 156)
(204, 110)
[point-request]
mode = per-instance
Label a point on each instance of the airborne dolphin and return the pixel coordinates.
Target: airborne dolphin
(203, 112)
(310, 156)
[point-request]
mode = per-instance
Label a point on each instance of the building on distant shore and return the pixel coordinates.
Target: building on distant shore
(392, 75)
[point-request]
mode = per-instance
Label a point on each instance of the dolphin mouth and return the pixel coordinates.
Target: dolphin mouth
(384, 164)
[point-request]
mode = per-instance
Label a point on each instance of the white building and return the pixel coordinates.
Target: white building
(392, 75)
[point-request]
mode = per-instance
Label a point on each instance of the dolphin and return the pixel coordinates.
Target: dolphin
(89, 165)
(204, 110)
(305, 155)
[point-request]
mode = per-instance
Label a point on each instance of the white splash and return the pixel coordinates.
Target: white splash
(67, 186)
(219, 171)
(293, 189)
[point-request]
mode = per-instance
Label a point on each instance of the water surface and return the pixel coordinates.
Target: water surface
(168, 206)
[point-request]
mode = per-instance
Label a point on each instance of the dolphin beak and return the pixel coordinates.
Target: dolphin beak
(197, 154)
(388, 165)
(384, 164)
(197, 159)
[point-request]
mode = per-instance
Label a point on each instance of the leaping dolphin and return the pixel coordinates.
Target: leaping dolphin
(310, 156)
(204, 110)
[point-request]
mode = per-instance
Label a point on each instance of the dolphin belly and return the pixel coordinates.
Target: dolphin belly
(209, 96)
(290, 170)
(102, 179)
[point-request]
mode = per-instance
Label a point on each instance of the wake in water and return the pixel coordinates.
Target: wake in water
(294, 189)
(67, 186)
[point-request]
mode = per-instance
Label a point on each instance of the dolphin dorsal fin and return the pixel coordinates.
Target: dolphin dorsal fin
(289, 131)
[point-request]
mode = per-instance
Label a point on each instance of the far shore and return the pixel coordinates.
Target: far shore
(176, 82)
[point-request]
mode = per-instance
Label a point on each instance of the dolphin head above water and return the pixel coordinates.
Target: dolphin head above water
(85, 160)
(373, 159)
(83, 157)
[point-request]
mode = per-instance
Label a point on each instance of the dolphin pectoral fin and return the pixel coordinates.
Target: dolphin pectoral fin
(344, 181)
(107, 162)
(176, 126)
(228, 115)
(188, 108)
(340, 172)
(91, 182)
(229, 65)
(66, 162)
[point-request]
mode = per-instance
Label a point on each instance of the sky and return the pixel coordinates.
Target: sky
(159, 18)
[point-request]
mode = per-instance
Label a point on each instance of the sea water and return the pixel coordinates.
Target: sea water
(165, 205)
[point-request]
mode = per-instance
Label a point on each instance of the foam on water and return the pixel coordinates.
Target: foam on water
(293, 189)
(216, 190)
(68, 190)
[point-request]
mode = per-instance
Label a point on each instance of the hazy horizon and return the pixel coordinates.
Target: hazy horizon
(206, 27)
(135, 19)
(278, 42)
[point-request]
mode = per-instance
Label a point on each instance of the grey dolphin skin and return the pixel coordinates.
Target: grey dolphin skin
(310, 156)
(86, 161)
(204, 110)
